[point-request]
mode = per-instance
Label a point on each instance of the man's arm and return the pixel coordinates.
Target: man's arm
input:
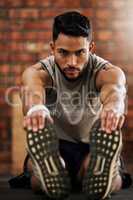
(111, 82)
(34, 81)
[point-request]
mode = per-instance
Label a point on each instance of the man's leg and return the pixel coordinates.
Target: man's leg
(48, 166)
(101, 173)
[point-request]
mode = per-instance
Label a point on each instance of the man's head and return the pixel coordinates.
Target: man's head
(72, 41)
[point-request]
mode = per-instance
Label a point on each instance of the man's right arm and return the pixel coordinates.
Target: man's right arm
(34, 81)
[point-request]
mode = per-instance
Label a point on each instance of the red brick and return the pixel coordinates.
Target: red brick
(13, 13)
(10, 3)
(4, 57)
(104, 14)
(4, 46)
(36, 47)
(104, 35)
(16, 25)
(37, 35)
(24, 13)
(4, 25)
(129, 136)
(130, 83)
(23, 3)
(38, 25)
(4, 69)
(2, 3)
(33, 3)
(38, 3)
(29, 35)
(130, 114)
(30, 3)
(17, 47)
(130, 102)
(102, 24)
(48, 13)
(88, 3)
(18, 3)
(5, 156)
(5, 36)
(66, 4)
(15, 3)
(89, 12)
(103, 3)
(15, 35)
(24, 57)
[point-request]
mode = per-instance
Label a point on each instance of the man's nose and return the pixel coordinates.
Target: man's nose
(72, 60)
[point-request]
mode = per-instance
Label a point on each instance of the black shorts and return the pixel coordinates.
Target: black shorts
(73, 155)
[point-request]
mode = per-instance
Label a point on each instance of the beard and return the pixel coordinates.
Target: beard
(71, 68)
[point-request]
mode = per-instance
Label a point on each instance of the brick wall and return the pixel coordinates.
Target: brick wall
(25, 32)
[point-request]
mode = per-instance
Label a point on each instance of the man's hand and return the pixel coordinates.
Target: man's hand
(36, 121)
(111, 120)
(34, 81)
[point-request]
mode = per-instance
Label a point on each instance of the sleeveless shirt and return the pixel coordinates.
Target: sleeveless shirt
(74, 105)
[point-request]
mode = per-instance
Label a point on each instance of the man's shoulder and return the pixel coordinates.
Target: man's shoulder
(97, 60)
(49, 60)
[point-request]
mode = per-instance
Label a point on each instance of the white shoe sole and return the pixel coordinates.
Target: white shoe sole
(104, 150)
(43, 149)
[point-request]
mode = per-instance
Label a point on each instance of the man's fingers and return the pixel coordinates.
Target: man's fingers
(35, 123)
(41, 122)
(121, 122)
(103, 120)
(106, 121)
(27, 123)
(115, 123)
(109, 121)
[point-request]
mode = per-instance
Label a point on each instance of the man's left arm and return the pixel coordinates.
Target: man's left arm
(111, 82)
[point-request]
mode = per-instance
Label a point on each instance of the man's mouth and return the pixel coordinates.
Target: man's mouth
(71, 70)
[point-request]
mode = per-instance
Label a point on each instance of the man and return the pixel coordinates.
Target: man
(74, 106)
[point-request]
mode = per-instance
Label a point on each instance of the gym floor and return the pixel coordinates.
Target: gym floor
(26, 194)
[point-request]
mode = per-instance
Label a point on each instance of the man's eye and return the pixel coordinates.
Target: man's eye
(80, 53)
(63, 52)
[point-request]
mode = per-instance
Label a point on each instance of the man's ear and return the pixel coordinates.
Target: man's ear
(92, 47)
(52, 47)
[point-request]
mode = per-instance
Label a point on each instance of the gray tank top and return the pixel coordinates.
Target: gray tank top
(74, 105)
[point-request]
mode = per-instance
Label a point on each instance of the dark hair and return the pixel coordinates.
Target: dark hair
(72, 23)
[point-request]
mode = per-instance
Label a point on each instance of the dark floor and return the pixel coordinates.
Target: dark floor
(20, 194)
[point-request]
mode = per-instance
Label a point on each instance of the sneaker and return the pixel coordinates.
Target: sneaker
(104, 152)
(43, 149)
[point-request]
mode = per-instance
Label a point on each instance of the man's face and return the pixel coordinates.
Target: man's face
(71, 54)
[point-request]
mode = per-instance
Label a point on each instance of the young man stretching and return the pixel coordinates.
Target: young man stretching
(74, 109)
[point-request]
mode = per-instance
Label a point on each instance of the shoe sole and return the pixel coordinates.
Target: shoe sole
(43, 149)
(104, 150)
